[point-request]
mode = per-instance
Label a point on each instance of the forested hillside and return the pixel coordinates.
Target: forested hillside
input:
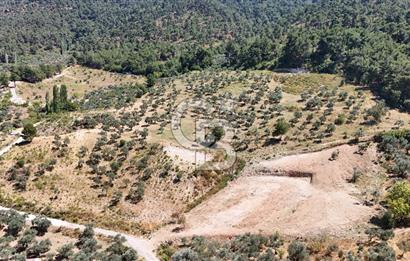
(366, 41)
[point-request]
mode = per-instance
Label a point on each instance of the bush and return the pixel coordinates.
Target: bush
(118, 251)
(13, 220)
(356, 175)
(335, 155)
(330, 128)
(386, 221)
(297, 251)
(39, 248)
(136, 193)
(65, 252)
(41, 224)
(185, 254)
(218, 132)
(376, 113)
(29, 132)
(341, 119)
(398, 201)
(382, 252)
(401, 167)
(88, 233)
(281, 127)
(26, 239)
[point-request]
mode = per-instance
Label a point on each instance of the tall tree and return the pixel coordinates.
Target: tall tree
(63, 97)
(56, 99)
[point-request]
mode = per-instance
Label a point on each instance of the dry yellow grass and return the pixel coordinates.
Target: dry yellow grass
(78, 79)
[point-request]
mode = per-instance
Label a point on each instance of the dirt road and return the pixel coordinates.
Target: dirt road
(141, 245)
(15, 98)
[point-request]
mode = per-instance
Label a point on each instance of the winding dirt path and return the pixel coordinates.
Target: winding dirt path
(143, 247)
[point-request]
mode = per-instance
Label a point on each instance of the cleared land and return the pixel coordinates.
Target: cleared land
(266, 199)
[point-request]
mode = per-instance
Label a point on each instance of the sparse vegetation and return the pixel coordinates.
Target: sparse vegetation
(285, 77)
(21, 241)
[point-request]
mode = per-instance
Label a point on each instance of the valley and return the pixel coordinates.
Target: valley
(205, 130)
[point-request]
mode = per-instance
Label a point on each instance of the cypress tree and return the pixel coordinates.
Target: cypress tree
(56, 99)
(63, 97)
(47, 103)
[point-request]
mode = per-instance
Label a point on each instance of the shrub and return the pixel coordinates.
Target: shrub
(13, 220)
(39, 248)
(386, 221)
(118, 251)
(297, 251)
(356, 175)
(376, 113)
(382, 252)
(335, 155)
(216, 135)
(29, 132)
(218, 132)
(281, 127)
(20, 163)
(185, 254)
(383, 234)
(398, 201)
(401, 167)
(136, 193)
(314, 103)
(116, 198)
(26, 239)
(65, 252)
(41, 224)
(341, 119)
(330, 128)
(88, 233)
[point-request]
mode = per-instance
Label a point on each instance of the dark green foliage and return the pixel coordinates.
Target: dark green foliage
(136, 193)
(13, 220)
(244, 247)
(118, 251)
(41, 224)
(366, 41)
(382, 252)
(4, 79)
(29, 132)
(340, 120)
(65, 252)
(383, 234)
(185, 254)
(375, 113)
(17, 245)
(38, 248)
(34, 74)
(26, 239)
(86, 235)
(297, 251)
(60, 101)
(281, 127)
(217, 134)
(114, 96)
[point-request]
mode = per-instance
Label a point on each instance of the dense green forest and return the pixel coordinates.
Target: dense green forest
(367, 41)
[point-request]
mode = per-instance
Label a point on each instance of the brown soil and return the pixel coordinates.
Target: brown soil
(261, 201)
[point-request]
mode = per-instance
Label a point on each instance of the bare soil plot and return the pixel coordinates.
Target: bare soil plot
(261, 201)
